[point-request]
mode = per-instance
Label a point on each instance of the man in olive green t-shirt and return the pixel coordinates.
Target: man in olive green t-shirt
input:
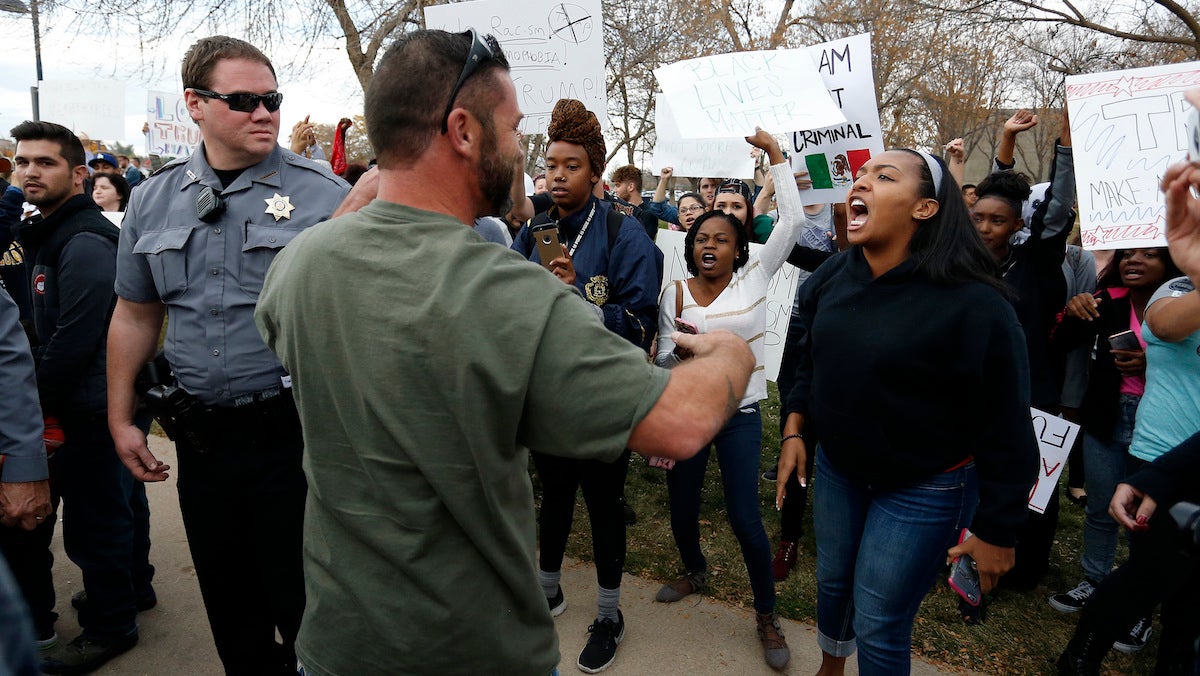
(425, 361)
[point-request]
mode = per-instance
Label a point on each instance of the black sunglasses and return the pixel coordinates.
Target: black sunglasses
(244, 102)
(483, 50)
(738, 186)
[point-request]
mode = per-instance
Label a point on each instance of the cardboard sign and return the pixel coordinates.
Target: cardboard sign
(554, 50)
(781, 293)
(92, 107)
(1055, 437)
(730, 94)
(1127, 127)
(721, 157)
(172, 132)
(833, 155)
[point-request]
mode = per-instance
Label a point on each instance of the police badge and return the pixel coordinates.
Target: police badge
(597, 289)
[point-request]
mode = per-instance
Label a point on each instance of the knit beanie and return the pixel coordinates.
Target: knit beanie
(572, 122)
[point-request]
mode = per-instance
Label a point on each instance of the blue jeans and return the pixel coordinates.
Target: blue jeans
(879, 550)
(739, 445)
(1106, 465)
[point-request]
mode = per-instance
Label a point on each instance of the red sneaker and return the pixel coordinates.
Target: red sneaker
(785, 560)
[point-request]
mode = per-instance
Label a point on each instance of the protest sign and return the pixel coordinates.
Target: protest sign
(1127, 127)
(554, 50)
(172, 132)
(722, 157)
(92, 107)
(833, 155)
(730, 94)
(780, 294)
(1055, 437)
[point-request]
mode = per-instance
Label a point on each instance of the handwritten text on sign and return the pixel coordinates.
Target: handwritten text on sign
(172, 132)
(780, 294)
(1127, 127)
(725, 157)
(554, 50)
(93, 107)
(833, 155)
(1055, 438)
(730, 94)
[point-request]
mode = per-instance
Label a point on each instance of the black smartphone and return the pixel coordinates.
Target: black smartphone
(1125, 340)
(545, 236)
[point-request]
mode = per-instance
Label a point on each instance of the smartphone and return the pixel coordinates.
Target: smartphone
(684, 326)
(964, 578)
(1125, 340)
(546, 238)
(663, 463)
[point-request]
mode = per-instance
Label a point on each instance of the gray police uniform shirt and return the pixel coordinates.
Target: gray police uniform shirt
(209, 274)
(21, 445)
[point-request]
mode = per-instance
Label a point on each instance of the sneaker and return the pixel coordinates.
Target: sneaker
(775, 647)
(785, 560)
(1136, 640)
(558, 604)
(1073, 601)
(690, 583)
(46, 640)
(601, 648)
(771, 475)
(80, 599)
(85, 655)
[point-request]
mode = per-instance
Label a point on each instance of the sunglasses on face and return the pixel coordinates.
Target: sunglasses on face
(244, 102)
(737, 187)
(483, 51)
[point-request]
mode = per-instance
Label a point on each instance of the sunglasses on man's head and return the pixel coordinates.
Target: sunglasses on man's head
(244, 102)
(483, 50)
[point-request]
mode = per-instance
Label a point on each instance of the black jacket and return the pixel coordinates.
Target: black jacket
(72, 258)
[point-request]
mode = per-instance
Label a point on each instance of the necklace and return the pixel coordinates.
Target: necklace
(582, 231)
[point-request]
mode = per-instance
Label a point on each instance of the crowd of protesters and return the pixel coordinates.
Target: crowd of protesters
(354, 398)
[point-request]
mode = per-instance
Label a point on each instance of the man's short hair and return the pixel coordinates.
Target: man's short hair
(202, 58)
(628, 173)
(411, 87)
(69, 145)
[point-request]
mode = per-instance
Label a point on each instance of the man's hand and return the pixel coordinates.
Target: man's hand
(957, 152)
(303, 136)
(133, 451)
(1179, 184)
(24, 503)
(990, 561)
(1131, 508)
(1022, 120)
(361, 194)
(667, 173)
(563, 267)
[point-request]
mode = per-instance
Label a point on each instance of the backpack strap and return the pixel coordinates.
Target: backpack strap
(615, 218)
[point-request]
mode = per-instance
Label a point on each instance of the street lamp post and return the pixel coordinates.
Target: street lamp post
(18, 7)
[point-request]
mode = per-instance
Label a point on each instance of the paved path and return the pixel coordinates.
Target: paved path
(697, 636)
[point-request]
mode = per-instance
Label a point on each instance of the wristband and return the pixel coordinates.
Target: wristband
(791, 436)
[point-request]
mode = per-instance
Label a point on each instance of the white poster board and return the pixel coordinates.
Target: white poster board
(172, 132)
(1126, 128)
(730, 94)
(780, 295)
(1055, 437)
(92, 107)
(723, 157)
(833, 155)
(554, 50)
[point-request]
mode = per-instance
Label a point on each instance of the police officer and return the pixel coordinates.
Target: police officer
(197, 240)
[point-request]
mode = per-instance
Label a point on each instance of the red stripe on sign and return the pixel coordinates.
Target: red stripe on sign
(857, 159)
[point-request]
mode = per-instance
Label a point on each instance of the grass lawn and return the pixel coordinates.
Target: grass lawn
(1022, 635)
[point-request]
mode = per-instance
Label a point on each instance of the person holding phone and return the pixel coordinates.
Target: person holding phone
(1111, 319)
(726, 291)
(912, 370)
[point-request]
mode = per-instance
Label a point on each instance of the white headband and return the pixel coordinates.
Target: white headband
(935, 170)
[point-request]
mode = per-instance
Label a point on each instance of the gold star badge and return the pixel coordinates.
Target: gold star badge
(279, 206)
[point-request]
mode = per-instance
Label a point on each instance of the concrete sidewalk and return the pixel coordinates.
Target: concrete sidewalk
(696, 636)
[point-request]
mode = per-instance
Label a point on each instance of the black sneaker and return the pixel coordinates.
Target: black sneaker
(601, 648)
(45, 640)
(80, 599)
(1074, 600)
(627, 511)
(771, 475)
(558, 604)
(1136, 640)
(85, 655)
